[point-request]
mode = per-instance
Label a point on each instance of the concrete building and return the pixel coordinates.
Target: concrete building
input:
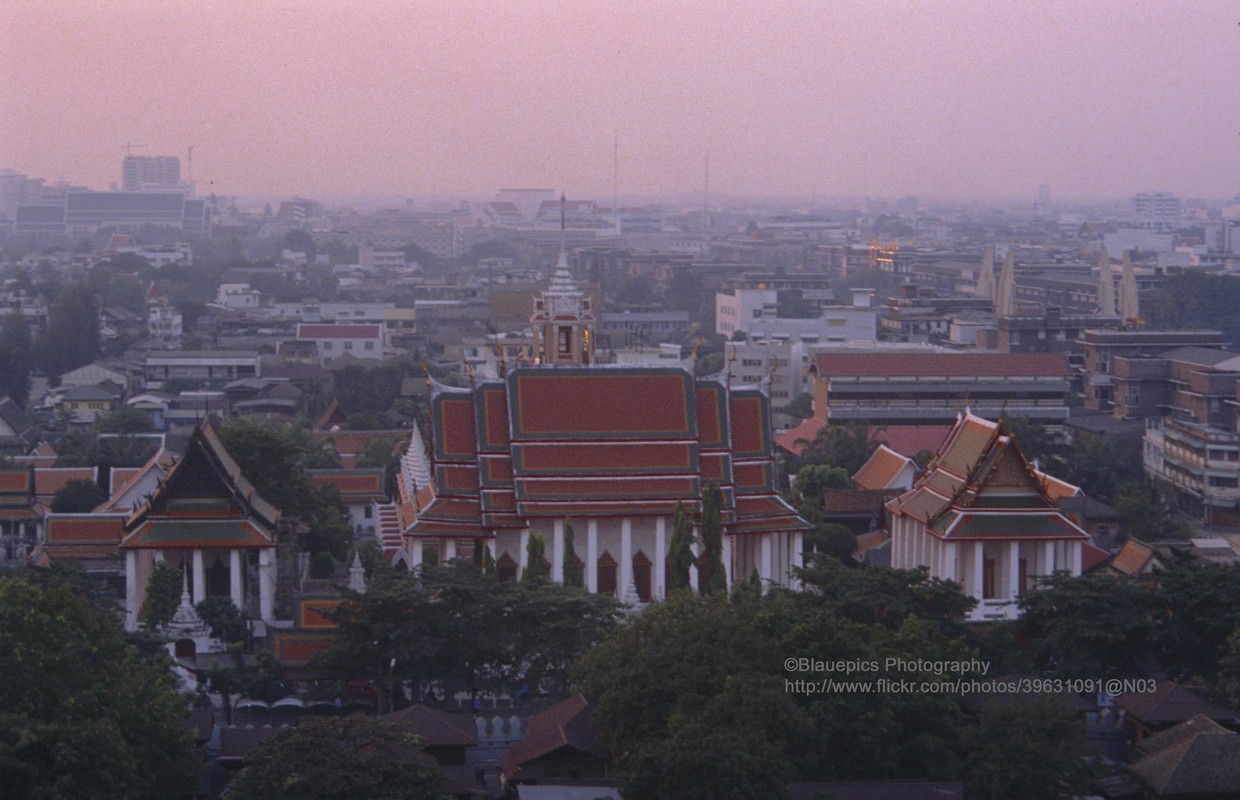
(151, 173)
(204, 366)
(332, 341)
(899, 388)
(1100, 348)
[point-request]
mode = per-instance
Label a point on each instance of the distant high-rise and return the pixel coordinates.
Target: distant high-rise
(151, 173)
(1156, 210)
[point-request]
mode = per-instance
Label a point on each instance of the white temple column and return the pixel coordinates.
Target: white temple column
(949, 561)
(764, 572)
(727, 559)
(491, 547)
(415, 552)
(200, 578)
(449, 549)
(267, 583)
(159, 556)
(626, 559)
(1013, 570)
(557, 551)
(234, 577)
(979, 564)
(660, 558)
(693, 570)
(132, 601)
(591, 567)
(1048, 556)
(1077, 549)
(523, 556)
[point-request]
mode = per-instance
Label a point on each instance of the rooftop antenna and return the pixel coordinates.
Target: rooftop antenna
(129, 146)
(705, 204)
(190, 159)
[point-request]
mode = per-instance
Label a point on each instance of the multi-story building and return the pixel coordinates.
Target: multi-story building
(1157, 210)
(151, 173)
(200, 366)
(900, 388)
(1200, 464)
(360, 341)
(1100, 348)
(1192, 383)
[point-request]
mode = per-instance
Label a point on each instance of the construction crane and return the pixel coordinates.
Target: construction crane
(130, 146)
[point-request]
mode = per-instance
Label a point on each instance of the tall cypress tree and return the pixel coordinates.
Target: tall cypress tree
(680, 551)
(713, 579)
(535, 559)
(572, 567)
(16, 358)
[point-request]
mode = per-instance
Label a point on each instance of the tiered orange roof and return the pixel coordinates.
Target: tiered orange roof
(979, 486)
(204, 501)
(598, 442)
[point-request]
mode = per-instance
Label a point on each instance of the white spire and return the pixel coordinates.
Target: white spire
(562, 284)
(357, 574)
(1106, 286)
(415, 464)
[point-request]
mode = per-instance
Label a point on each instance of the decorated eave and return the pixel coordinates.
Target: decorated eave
(204, 501)
(980, 486)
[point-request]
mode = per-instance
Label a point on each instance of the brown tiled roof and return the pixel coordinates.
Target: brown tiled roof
(566, 724)
(1196, 726)
(794, 440)
(237, 743)
(1134, 558)
(1204, 765)
(947, 365)
(48, 481)
(1170, 703)
(436, 728)
(880, 469)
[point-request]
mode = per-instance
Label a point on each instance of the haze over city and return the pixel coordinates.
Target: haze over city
(459, 98)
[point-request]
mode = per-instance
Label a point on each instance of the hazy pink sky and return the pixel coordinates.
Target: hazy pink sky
(831, 97)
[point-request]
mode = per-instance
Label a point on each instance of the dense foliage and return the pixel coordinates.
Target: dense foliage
(338, 758)
(81, 713)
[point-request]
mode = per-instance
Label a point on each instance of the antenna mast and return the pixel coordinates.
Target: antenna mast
(705, 205)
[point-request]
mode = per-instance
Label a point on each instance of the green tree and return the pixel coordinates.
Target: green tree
(163, 594)
(16, 358)
(1226, 689)
(124, 420)
(339, 758)
(884, 597)
(712, 578)
(1145, 514)
(573, 568)
(696, 762)
(78, 497)
(1198, 608)
(1027, 749)
(71, 339)
(801, 406)
(680, 550)
(1089, 626)
(257, 676)
(227, 622)
(536, 567)
(81, 714)
(845, 446)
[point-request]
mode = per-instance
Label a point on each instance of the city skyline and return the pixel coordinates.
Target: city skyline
(951, 99)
